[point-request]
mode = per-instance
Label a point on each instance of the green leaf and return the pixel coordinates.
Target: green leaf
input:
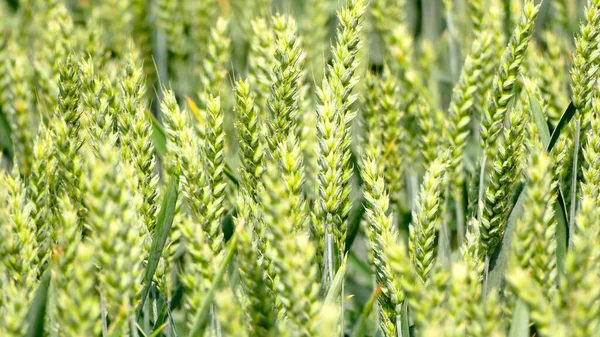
(404, 328)
(520, 321)
(499, 259)
(540, 120)
(356, 167)
(202, 316)
(359, 327)
(336, 286)
(560, 208)
(229, 173)
(564, 120)
(5, 138)
(562, 230)
(357, 210)
(37, 312)
(227, 223)
(159, 136)
(161, 233)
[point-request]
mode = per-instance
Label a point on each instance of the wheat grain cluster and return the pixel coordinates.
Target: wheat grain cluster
(300, 168)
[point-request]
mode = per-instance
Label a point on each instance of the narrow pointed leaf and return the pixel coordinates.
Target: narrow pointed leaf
(354, 219)
(227, 223)
(405, 328)
(159, 239)
(159, 137)
(562, 232)
(174, 303)
(564, 120)
(37, 312)
(540, 121)
(499, 259)
(560, 208)
(336, 285)
(229, 173)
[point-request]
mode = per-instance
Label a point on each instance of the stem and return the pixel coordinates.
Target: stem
(377, 306)
(172, 331)
(51, 304)
(103, 314)
(454, 66)
(146, 316)
(328, 257)
(444, 251)
(486, 272)
(215, 321)
(481, 187)
(133, 326)
(342, 309)
(160, 55)
(324, 274)
(460, 219)
(573, 208)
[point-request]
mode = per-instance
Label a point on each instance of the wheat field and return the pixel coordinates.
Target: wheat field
(295, 168)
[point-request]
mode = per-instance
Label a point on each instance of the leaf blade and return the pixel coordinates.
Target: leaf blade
(5, 135)
(405, 328)
(499, 259)
(37, 311)
(336, 286)
(159, 136)
(562, 232)
(354, 219)
(159, 239)
(540, 121)
(564, 120)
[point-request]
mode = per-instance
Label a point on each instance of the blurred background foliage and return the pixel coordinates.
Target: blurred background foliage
(146, 25)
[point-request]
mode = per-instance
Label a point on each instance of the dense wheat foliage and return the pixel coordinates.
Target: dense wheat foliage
(299, 168)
